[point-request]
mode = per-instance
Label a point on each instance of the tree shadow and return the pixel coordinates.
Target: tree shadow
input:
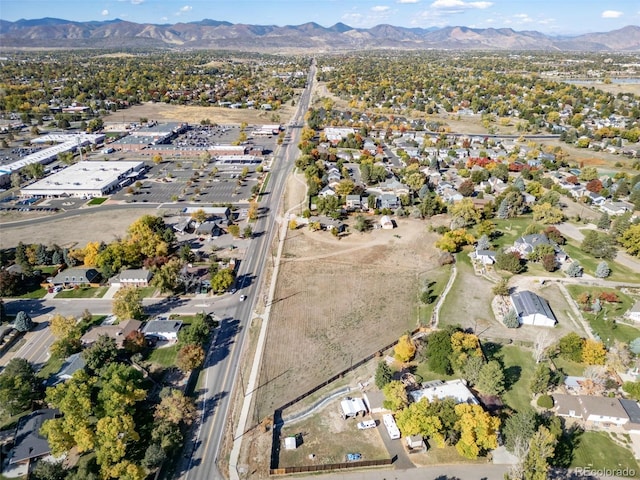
(511, 376)
(568, 442)
(491, 350)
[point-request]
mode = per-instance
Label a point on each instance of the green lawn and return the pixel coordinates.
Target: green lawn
(511, 229)
(83, 292)
(165, 357)
(608, 329)
(518, 368)
(568, 367)
(597, 450)
(147, 292)
(619, 272)
(52, 366)
(37, 293)
(97, 201)
(435, 282)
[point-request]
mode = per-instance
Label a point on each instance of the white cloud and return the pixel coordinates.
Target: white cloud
(379, 8)
(408, 1)
(186, 8)
(460, 4)
(104, 12)
(611, 14)
(136, 2)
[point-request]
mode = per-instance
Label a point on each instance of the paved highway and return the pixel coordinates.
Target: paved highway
(221, 367)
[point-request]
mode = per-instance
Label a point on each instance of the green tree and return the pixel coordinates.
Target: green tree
(19, 387)
(519, 427)
(603, 270)
(509, 261)
(570, 347)
(121, 387)
(491, 379)
(154, 456)
(574, 270)
(384, 375)
(598, 244)
(541, 379)
(46, 470)
(167, 277)
(197, 333)
(541, 448)
(190, 357)
(127, 304)
(632, 389)
(439, 351)
(472, 368)
(604, 222)
(395, 395)
(501, 288)
(23, 322)
(101, 353)
(511, 319)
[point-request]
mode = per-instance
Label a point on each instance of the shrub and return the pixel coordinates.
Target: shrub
(545, 401)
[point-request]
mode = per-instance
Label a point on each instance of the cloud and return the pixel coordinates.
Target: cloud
(137, 2)
(611, 14)
(104, 12)
(186, 8)
(379, 8)
(459, 5)
(408, 1)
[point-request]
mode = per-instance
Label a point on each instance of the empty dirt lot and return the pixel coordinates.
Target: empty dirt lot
(338, 301)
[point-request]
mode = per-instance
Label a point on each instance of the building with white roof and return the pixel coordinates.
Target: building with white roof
(439, 390)
(85, 180)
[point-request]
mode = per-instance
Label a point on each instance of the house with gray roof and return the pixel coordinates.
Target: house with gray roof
(70, 366)
(76, 276)
(138, 277)
(594, 409)
(634, 312)
(29, 444)
(527, 244)
(532, 309)
(165, 329)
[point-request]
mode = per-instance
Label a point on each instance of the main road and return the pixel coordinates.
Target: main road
(222, 363)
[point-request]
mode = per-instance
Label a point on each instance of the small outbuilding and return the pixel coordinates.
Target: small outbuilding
(415, 443)
(291, 443)
(532, 309)
(353, 407)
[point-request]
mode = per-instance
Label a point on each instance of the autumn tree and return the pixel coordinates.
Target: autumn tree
(453, 240)
(404, 349)
(127, 304)
(395, 395)
(593, 352)
(417, 419)
(121, 388)
(190, 357)
(134, 342)
(176, 408)
(541, 449)
(501, 288)
(546, 213)
(478, 430)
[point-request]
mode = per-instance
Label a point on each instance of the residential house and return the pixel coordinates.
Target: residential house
(118, 332)
(76, 276)
(394, 186)
(212, 229)
(613, 208)
(450, 195)
(437, 389)
(29, 444)
(486, 257)
(633, 412)
(599, 411)
(352, 407)
(595, 198)
(135, 277)
(164, 329)
(634, 312)
(527, 244)
(70, 366)
(333, 176)
(532, 309)
(327, 191)
(327, 223)
(353, 202)
(388, 200)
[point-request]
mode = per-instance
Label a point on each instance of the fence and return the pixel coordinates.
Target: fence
(330, 466)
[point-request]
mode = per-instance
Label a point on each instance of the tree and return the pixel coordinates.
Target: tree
(588, 173)
(453, 240)
(466, 188)
(199, 216)
(395, 395)
(438, 352)
(167, 278)
(112, 436)
(417, 419)
(222, 280)
(603, 270)
(471, 369)
(483, 243)
(574, 270)
(509, 261)
(190, 357)
(593, 352)
(154, 456)
(555, 235)
(234, 230)
(121, 388)
(135, 342)
(632, 389)
(511, 319)
(501, 288)
(405, 349)
(491, 379)
(127, 304)
(541, 448)
(101, 353)
(466, 211)
(549, 262)
(604, 222)
(47, 470)
(599, 244)
(546, 213)
(384, 375)
(541, 379)
(19, 387)
(197, 333)
(541, 345)
(177, 409)
(478, 430)
(630, 240)
(519, 427)
(247, 232)
(23, 322)
(570, 347)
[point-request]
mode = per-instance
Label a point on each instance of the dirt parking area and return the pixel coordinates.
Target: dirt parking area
(93, 226)
(338, 301)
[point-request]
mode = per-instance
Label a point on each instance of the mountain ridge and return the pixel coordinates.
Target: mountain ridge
(211, 34)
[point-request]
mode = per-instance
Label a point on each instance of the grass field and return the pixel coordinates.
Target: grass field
(97, 201)
(603, 323)
(83, 292)
(165, 357)
(619, 272)
(37, 293)
(597, 450)
(568, 367)
(518, 368)
(338, 301)
(435, 282)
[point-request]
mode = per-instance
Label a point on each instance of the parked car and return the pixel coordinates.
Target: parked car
(367, 424)
(243, 298)
(354, 457)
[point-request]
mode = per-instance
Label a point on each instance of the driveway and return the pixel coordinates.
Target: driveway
(395, 448)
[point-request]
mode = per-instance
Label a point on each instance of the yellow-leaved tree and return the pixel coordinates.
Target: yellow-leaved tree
(405, 349)
(478, 430)
(593, 352)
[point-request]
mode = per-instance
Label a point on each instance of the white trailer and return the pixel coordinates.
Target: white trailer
(390, 424)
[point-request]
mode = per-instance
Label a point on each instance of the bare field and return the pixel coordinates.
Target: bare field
(194, 114)
(79, 230)
(338, 301)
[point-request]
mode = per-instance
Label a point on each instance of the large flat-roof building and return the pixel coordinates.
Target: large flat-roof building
(85, 180)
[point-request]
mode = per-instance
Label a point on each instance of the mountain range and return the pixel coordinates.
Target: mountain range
(213, 34)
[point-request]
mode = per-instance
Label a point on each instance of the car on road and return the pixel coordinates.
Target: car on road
(243, 298)
(233, 290)
(354, 457)
(367, 424)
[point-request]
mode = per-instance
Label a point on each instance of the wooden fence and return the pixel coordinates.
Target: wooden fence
(330, 466)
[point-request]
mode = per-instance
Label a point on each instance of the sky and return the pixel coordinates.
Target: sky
(556, 17)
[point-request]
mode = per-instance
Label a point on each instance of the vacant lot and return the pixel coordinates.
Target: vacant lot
(338, 301)
(192, 114)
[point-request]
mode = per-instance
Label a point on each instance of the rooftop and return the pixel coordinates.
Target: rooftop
(28, 442)
(456, 389)
(528, 303)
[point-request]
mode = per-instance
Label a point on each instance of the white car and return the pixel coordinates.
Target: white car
(243, 298)
(367, 424)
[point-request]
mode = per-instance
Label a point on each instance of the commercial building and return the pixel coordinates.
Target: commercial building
(85, 180)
